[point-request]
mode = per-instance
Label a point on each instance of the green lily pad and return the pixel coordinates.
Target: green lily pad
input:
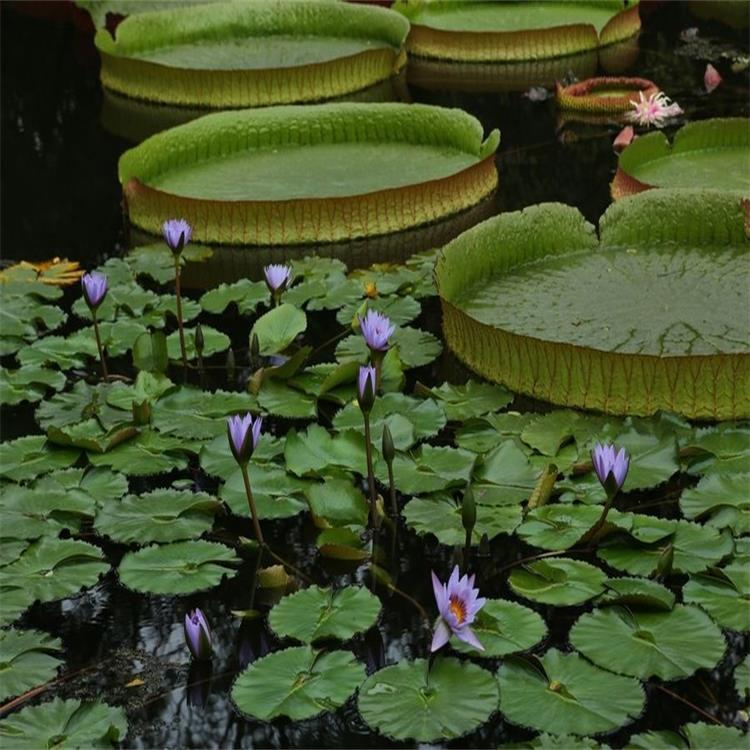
(638, 592)
(400, 310)
(742, 679)
(724, 593)
(338, 502)
(158, 516)
(504, 476)
(483, 434)
(558, 581)
(595, 344)
(423, 702)
(277, 494)
(570, 695)
(416, 348)
(28, 384)
(695, 736)
(52, 569)
(246, 294)
(316, 451)
(148, 454)
(473, 399)
(26, 660)
(28, 457)
(316, 613)
(217, 460)
(441, 516)
(281, 400)
(64, 725)
(14, 601)
(79, 404)
(75, 350)
(503, 628)
(669, 645)
(177, 568)
(722, 500)
(277, 328)
(549, 432)
(428, 469)
(214, 342)
(723, 449)
(297, 682)
(558, 527)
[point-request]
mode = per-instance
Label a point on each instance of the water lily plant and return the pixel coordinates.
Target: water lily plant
(653, 110)
(198, 635)
(611, 467)
(244, 434)
(458, 603)
(366, 386)
(95, 287)
(277, 280)
(177, 234)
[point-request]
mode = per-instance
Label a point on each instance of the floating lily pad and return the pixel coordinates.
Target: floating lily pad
(415, 347)
(177, 568)
(429, 469)
(696, 736)
(533, 300)
(608, 95)
(64, 724)
(722, 449)
(724, 593)
(214, 342)
(639, 592)
(722, 500)
(277, 494)
(558, 527)
(558, 581)
(28, 457)
(337, 502)
(503, 628)
(246, 294)
(706, 154)
(52, 569)
(570, 695)
(284, 175)
(28, 384)
(428, 702)
(251, 55)
(668, 645)
(297, 682)
(158, 516)
(500, 32)
(316, 613)
(26, 660)
(148, 454)
(473, 399)
(742, 679)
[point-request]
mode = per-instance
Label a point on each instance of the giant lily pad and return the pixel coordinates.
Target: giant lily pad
(416, 700)
(568, 695)
(281, 175)
(705, 154)
(630, 324)
(297, 682)
(509, 32)
(639, 643)
(252, 54)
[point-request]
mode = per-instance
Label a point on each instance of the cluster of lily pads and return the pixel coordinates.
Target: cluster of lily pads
(649, 543)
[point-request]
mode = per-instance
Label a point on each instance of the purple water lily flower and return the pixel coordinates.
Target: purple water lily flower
(611, 466)
(198, 634)
(376, 329)
(277, 277)
(366, 387)
(244, 434)
(458, 603)
(177, 233)
(95, 287)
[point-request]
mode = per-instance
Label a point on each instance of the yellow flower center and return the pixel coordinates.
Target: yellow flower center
(458, 608)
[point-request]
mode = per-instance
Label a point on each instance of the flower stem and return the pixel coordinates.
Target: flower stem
(180, 327)
(370, 472)
(392, 491)
(251, 503)
(102, 358)
(594, 530)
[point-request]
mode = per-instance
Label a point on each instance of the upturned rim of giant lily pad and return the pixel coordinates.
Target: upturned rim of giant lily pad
(590, 97)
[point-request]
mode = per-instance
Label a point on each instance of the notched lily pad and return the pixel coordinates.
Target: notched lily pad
(558, 580)
(27, 659)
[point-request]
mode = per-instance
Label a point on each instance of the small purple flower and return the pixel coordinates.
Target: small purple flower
(277, 277)
(376, 329)
(458, 604)
(366, 387)
(198, 635)
(244, 434)
(94, 288)
(177, 233)
(610, 466)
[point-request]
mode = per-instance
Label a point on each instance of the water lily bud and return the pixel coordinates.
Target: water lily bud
(277, 277)
(198, 635)
(199, 340)
(468, 511)
(141, 411)
(177, 233)
(254, 347)
(244, 434)
(389, 451)
(665, 562)
(95, 287)
(611, 466)
(366, 381)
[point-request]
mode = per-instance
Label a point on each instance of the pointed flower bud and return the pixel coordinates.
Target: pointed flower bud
(177, 233)
(244, 434)
(366, 388)
(377, 329)
(200, 342)
(277, 277)
(198, 635)
(389, 451)
(611, 466)
(95, 287)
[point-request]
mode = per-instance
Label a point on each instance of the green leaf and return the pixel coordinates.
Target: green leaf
(82, 402)
(549, 432)
(277, 328)
(90, 487)
(724, 593)
(316, 451)
(558, 527)
(150, 352)
(277, 494)
(441, 516)
(429, 469)
(722, 500)
(504, 476)
(14, 600)
(570, 696)
(503, 628)
(177, 568)
(298, 683)
(28, 457)
(28, 384)
(214, 342)
(427, 703)
(217, 460)
(246, 294)
(148, 454)
(63, 725)
(26, 316)
(558, 581)
(415, 347)
(163, 515)
(400, 310)
(26, 660)
(636, 592)
(742, 679)
(75, 351)
(316, 613)
(277, 398)
(473, 399)
(669, 645)
(338, 502)
(695, 736)
(52, 569)
(481, 435)
(723, 449)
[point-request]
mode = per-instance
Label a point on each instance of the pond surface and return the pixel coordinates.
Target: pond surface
(61, 197)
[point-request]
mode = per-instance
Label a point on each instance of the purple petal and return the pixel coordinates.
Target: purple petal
(177, 233)
(441, 635)
(453, 581)
(441, 598)
(467, 635)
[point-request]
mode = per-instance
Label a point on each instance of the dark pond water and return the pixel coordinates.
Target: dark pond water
(60, 196)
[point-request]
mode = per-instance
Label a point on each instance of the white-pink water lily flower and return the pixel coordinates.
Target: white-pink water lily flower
(458, 603)
(653, 110)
